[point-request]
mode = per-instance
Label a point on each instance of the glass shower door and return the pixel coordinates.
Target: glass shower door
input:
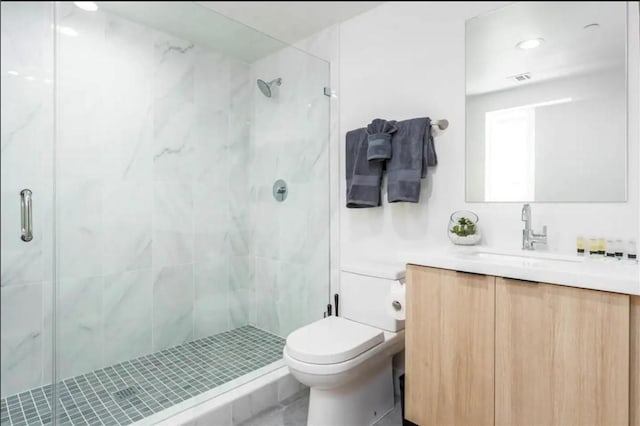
(27, 145)
(291, 237)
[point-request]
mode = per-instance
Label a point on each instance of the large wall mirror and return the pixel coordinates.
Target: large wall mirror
(546, 103)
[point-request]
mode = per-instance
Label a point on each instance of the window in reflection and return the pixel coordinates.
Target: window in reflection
(510, 169)
(509, 155)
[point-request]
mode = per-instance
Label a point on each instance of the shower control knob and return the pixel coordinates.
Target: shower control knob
(280, 190)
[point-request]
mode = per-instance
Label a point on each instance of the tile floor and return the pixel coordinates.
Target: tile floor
(124, 393)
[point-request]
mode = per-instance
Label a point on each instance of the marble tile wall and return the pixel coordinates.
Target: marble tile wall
(291, 239)
(153, 233)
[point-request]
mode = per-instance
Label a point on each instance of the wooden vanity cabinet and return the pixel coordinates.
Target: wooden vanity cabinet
(483, 350)
(449, 347)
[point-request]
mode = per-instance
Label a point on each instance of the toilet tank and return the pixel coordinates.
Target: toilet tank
(364, 293)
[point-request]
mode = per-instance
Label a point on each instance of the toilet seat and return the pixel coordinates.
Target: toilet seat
(393, 343)
(332, 340)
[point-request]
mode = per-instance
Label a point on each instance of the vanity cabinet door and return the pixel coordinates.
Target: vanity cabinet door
(449, 347)
(562, 355)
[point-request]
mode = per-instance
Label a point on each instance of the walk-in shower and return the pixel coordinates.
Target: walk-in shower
(265, 87)
(145, 263)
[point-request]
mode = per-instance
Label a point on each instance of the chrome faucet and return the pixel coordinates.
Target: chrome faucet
(529, 237)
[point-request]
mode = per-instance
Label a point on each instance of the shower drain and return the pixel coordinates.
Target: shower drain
(125, 393)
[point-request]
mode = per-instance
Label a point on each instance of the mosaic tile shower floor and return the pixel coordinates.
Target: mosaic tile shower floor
(127, 392)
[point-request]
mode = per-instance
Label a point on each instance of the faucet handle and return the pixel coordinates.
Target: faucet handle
(543, 234)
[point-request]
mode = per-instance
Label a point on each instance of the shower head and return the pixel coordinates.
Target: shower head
(265, 87)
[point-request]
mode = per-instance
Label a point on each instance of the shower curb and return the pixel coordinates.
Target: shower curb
(236, 405)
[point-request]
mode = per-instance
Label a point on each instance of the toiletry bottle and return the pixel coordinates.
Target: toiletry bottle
(632, 253)
(580, 246)
(601, 246)
(610, 250)
(619, 249)
(593, 247)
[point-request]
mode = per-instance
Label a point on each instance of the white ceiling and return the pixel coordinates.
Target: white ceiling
(290, 21)
(198, 24)
(245, 30)
(568, 50)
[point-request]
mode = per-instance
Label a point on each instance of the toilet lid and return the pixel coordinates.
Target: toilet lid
(378, 269)
(332, 340)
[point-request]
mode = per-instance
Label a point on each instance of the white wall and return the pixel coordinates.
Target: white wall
(406, 59)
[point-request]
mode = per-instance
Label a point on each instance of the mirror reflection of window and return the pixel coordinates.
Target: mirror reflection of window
(510, 151)
(509, 154)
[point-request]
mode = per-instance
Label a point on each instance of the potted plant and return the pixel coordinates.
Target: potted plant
(463, 228)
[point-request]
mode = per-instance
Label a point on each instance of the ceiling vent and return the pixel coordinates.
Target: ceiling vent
(521, 78)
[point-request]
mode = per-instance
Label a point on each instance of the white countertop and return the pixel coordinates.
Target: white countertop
(619, 276)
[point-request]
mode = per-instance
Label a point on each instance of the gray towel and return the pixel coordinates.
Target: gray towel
(430, 158)
(379, 138)
(413, 152)
(364, 178)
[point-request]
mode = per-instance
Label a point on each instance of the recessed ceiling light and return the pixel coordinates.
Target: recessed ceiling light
(86, 5)
(530, 44)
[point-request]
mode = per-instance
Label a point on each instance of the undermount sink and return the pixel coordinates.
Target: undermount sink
(523, 257)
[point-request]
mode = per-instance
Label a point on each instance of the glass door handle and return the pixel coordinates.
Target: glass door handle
(26, 217)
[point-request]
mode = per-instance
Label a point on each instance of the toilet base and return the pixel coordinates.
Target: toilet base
(361, 402)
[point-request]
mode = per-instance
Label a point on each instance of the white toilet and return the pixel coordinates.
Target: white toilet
(346, 360)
